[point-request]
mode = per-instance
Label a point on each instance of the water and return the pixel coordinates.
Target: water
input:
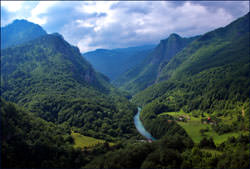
(140, 128)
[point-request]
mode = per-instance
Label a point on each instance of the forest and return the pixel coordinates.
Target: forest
(61, 108)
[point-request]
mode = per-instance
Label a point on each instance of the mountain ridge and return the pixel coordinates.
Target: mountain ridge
(20, 31)
(223, 37)
(114, 62)
(146, 73)
(50, 78)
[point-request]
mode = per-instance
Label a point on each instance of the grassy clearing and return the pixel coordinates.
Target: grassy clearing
(194, 125)
(174, 114)
(82, 141)
(213, 152)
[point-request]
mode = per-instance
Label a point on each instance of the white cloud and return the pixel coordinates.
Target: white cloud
(84, 44)
(41, 8)
(12, 6)
(112, 24)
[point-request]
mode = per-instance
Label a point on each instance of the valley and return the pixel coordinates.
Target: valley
(182, 103)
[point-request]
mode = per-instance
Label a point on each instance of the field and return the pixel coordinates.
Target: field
(194, 125)
(82, 141)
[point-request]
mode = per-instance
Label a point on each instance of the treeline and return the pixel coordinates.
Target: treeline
(177, 151)
(221, 91)
(211, 75)
(28, 141)
(31, 142)
(99, 117)
(159, 126)
(165, 153)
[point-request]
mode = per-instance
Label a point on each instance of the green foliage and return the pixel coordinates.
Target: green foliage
(84, 141)
(30, 142)
(50, 78)
(207, 143)
(164, 153)
(146, 73)
(159, 126)
(233, 153)
(206, 71)
(211, 75)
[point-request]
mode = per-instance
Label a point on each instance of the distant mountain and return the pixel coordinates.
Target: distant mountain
(114, 62)
(20, 31)
(50, 78)
(145, 74)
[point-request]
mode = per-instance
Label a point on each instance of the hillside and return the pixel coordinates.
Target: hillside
(18, 32)
(210, 76)
(114, 62)
(30, 142)
(209, 50)
(190, 106)
(50, 78)
(146, 73)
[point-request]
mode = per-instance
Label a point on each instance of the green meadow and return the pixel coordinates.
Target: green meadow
(194, 125)
(82, 141)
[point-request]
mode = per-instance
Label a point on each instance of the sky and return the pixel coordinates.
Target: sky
(118, 24)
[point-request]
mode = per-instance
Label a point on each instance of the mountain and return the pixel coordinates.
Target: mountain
(197, 108)
(208, 78)
(50, 78)
(114, 62)
(146, 73)
(209, 50)
(18, 32)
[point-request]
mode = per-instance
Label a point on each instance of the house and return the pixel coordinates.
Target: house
(150, 140)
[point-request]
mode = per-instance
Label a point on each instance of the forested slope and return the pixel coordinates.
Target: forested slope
(49, 77)
(145, 74)
(210, 76)
(28, 141)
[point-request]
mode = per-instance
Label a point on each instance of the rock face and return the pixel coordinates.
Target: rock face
(20, 31)
(89, 76)
(168, 48)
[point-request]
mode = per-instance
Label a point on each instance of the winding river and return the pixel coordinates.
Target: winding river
(140, 128)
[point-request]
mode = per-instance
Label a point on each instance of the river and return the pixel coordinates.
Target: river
(140, 128)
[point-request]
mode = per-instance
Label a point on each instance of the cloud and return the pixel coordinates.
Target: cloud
(112, 24)
(235, 8)
(38, 13)
(12, 6)
(11, 10)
